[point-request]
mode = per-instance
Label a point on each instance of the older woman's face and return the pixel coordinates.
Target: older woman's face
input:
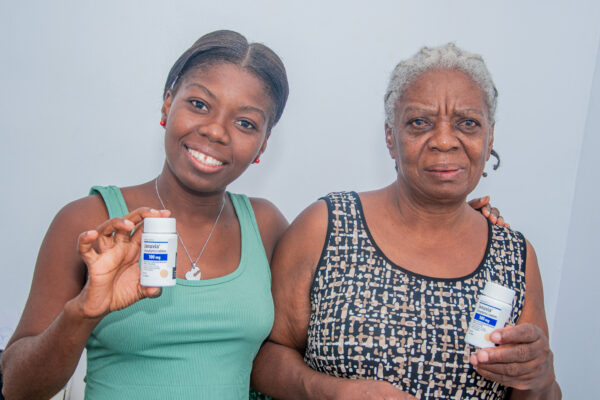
(442, 135)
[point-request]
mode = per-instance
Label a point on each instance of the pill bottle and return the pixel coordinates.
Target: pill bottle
(158, 257)
(492, 312)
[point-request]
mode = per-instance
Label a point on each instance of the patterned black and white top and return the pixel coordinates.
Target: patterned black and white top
(373, 319)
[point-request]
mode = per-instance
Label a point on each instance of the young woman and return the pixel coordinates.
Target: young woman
(197, 339)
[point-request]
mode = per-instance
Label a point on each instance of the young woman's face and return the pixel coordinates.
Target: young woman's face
(442, 135)
(216, 125)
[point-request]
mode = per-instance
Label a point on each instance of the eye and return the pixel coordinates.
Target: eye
(419, 123)
(246, 124)
(469, 124)
(199, 104)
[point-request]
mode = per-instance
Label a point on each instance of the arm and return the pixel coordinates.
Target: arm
(523, 359)
(63, 306)
(279, 369)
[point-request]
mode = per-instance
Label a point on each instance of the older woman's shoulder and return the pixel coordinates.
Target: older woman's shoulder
(506, 233)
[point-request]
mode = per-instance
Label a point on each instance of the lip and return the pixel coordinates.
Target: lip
(204, 160)
(444, 171)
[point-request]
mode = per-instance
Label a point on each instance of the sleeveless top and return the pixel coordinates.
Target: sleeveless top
(373, 319)
(197, 340)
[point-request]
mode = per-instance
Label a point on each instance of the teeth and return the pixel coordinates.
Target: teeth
(205, 159)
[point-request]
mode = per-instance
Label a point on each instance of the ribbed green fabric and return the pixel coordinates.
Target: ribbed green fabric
(196, 341)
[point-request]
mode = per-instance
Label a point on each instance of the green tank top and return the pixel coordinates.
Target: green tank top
(197, 340)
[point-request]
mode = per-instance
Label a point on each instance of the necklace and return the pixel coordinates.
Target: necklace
(194, 273)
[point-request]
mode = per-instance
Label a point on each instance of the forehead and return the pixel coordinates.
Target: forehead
(447, 86)
(229, 81)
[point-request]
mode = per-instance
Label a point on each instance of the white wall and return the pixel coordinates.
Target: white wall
(577, 327)
(82, 81)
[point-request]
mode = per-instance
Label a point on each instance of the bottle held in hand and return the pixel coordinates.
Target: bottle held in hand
(492, 312)
(159, 252)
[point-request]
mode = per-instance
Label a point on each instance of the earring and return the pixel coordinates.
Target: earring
(256, 160)
(484, 174)
(163, 122)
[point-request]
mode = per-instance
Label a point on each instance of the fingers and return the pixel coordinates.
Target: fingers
(114, 230)
(522, 359)
(84, 246)
(491, 213)
(151, 292)
(120, 229)
(524, 333)
(480, 202)
(536, 372)
(519, 376)
(139, 214)
(513, 353)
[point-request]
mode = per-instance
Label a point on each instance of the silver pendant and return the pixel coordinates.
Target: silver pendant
(193, 274)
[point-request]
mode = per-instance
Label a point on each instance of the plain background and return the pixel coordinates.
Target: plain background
(81, 94)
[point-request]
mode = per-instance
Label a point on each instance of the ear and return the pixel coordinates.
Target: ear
(390, 141)
(490, 143)
(166, 107)
(263, 147)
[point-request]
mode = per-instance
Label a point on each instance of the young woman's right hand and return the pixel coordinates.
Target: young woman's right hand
(111, 254)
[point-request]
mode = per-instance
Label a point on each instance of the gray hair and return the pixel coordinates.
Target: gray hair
(448, 56)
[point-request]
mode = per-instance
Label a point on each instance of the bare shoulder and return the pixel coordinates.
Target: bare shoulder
(271, 223)
(88, 212)
(303, 241)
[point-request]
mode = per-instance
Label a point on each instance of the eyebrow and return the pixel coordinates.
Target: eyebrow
(254, 109)
(461, 112)
(202, 87)
(467, 111)
(420, 109)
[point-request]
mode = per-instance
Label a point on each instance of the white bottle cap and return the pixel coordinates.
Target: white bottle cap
(499, 292)
(159, 225)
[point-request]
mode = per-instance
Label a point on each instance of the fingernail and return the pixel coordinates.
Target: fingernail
(129, 223)
(152, 210)
(483, 356)
(496, 337)
(157, 294)
(473, 360)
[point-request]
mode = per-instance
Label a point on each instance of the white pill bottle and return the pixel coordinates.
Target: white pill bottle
(158, 259)
(492, 312)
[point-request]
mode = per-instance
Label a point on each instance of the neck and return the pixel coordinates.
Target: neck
(185, 203)
(420, 213)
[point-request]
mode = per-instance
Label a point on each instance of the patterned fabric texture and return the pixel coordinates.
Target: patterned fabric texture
(373, 319)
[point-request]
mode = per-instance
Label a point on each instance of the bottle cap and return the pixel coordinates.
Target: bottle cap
(159, 225)
(499, 292)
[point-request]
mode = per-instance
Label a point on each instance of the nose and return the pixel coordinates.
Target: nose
(215, 131)
(444, 138)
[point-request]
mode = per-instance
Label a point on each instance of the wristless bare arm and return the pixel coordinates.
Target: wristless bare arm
(65, 303)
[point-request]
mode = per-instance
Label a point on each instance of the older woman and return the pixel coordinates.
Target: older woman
(380, 286)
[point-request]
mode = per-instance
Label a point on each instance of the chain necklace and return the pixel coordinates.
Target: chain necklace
(194, 273)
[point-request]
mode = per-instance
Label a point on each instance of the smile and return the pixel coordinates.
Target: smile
(205, 158)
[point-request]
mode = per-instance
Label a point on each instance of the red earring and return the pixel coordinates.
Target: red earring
(257, 160)
(163, 122)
